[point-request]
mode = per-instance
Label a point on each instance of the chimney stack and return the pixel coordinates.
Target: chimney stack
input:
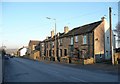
(47, 37)
(103, 18)
(66, 29)
(52, 33)
(58, 33)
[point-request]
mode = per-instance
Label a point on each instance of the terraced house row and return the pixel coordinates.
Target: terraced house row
(86, 44)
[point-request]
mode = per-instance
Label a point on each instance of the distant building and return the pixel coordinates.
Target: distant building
(22, 51)
(31, 52)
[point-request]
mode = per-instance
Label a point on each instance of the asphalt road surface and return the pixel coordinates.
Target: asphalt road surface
(25, 70)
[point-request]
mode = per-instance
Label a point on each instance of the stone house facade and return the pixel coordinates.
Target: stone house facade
(84, 42)
(32, 52)
(87, 41)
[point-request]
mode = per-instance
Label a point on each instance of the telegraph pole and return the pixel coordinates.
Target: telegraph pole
(110, 23)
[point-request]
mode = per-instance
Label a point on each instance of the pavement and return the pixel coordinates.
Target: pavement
(99, 67)
(24, 70)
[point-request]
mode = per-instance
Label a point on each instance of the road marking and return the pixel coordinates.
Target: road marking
(78, 79)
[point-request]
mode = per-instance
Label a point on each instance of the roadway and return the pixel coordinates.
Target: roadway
(25, 70)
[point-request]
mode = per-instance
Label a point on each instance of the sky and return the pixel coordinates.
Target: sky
(24, 21)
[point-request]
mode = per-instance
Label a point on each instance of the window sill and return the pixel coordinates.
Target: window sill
(70, 45)
(84, 44)
(61, 45)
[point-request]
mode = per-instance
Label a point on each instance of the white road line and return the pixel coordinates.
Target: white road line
(77, 79)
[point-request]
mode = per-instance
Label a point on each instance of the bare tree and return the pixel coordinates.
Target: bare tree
(117, 31)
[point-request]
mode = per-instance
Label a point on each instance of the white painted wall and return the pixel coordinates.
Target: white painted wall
(107, 44)
(23, 51)
(107, 40)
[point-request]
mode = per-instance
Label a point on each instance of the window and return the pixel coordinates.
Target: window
(107, 39)
(42, 44)
(84, 39)
(52, 44)
(107, 53)
(61, 52)
(47, 45)
(60, 41)
(49, 52)
(100, 56)
(71, 41)
(76, 38)
(34, 47)
(53, 52)
(65, 52)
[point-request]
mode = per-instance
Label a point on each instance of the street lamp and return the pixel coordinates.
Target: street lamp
(55, 36)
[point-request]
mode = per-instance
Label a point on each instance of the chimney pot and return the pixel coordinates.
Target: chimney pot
(66, 29)
(52, 33)
(103, 18)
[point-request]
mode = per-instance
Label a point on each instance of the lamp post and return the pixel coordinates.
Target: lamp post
(55, 37)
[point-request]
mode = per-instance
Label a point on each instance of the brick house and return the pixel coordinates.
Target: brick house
(32, 52)
(63, 43)
(49, 47)
(87, 41)
(84, 42)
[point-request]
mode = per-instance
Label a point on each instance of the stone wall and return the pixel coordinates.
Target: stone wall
(99, 43)
(88, 47)
(65, 45)
(117, 58)
(36, 55)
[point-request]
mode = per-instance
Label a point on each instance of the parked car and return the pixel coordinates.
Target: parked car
(6, 57)
(12, 56)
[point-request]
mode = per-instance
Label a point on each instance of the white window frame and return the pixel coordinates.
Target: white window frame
(76, 38)
(71, 41)
(108, 40)
(53, 44)
(84, 39)
(42, 44)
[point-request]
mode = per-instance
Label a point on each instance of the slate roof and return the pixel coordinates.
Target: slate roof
(82, 29)
(77, 31)
(33, 42)
(51, 39)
